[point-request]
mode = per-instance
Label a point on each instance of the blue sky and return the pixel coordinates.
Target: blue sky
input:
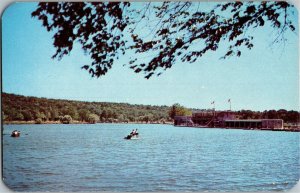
(263, 78)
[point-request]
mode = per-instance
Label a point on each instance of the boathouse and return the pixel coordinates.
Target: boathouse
(229, 119)
(267, 124)
(226, 119)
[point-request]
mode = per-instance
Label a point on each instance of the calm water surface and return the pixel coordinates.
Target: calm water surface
(165, 158)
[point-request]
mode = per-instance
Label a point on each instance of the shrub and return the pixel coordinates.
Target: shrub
(66, 119)
(38, 121)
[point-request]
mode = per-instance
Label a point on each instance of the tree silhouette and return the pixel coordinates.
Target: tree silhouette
(178, 110)
(156, 35)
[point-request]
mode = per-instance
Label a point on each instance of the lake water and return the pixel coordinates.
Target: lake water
(165, 158)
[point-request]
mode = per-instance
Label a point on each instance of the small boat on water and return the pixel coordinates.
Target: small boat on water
(15, 133)
(133, 135)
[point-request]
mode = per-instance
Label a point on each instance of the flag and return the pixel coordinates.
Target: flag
(229, 100)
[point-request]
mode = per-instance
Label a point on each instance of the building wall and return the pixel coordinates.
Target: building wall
(183, 120)
(243, 123)
(221, 116)
(255, 123)
(202, 117)
(272, 123)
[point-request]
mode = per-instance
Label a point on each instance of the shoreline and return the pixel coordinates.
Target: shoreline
(76, 122)
(166, 123)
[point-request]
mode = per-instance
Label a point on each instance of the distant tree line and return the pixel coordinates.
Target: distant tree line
(287, 116)
(21, 108)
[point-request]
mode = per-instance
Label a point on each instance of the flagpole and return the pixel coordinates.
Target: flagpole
(214, 107)
(213, 103)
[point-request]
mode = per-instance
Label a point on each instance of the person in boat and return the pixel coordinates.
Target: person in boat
(132, 133)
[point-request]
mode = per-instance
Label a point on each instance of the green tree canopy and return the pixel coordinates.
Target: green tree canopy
(84, 114)
(93, 118)
(175, 28)
(178, 110)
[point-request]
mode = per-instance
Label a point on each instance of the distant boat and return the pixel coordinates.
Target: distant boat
(135, 136)
(15, 133)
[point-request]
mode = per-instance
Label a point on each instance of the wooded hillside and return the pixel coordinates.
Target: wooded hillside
(21, 108)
